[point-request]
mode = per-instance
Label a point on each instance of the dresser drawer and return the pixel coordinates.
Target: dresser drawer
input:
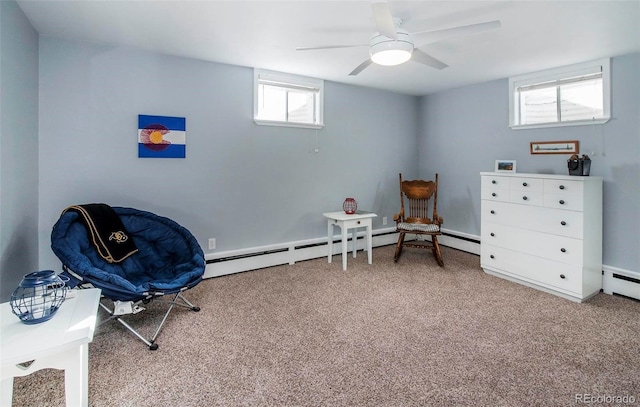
(541, 219)
(495, 188)
(495, 194)
(556, 186)
(564, 194)
(526, 185)
(572, 201)
(553, 247)
(495, 181)
(526, 191)
(525, 197)
(533, 269)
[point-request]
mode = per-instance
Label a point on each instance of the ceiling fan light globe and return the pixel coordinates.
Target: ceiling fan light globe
(389, 52)
(391, 57)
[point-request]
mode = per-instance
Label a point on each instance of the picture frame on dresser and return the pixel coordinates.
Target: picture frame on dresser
(505, 166)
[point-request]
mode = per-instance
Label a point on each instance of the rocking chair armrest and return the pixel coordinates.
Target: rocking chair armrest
(398, 217)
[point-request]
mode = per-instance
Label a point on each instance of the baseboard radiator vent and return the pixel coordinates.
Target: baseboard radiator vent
(236, 261)
(614, 280)
(621, 282)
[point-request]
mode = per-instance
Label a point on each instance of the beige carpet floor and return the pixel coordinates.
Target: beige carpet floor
(405, 334)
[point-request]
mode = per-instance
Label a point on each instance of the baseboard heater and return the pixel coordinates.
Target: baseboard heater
(614, 280)
(284, 249)
(244, 256)
(622, 282)
(235, 261)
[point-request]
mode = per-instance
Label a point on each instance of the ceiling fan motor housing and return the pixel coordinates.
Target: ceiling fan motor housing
(387, 51)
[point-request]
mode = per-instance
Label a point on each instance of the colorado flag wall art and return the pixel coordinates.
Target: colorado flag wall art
(161, 137)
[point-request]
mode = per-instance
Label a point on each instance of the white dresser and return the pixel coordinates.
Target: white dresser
(543, 231)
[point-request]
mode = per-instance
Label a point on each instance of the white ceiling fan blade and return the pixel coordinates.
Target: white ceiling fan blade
(384, 19)
(428, 37)
(330, 47)
(426, 59)
(361, 67)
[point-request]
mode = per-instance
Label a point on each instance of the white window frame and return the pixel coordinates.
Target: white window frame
(291, 82)
(558, 74)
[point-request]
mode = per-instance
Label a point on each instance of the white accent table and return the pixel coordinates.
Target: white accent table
(346, 222)
(59, 343)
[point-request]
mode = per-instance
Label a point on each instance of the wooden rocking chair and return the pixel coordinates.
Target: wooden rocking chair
(415, 218)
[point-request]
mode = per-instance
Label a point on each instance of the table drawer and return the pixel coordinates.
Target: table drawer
(538, 218)
(352, 223)
(533, 269)
(554, 247)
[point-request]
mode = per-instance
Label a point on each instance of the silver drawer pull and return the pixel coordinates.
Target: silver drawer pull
(561, 187)
(563, 250)
(494, 194)
(525, 198)
(493, 181)
(563, 223)
(493, 212)
(524, 184)
(492, 256)
(562, 276)
(493, 234)
(561, 202)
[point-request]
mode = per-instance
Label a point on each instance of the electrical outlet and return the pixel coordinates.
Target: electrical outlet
(212, 243)
(384, 220)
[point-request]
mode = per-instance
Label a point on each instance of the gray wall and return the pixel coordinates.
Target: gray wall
(245, 185)
(18, 147)
(463, 131)
(68, 120)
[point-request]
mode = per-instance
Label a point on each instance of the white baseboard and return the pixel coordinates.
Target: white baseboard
(620, 281)
(461, 241)
(614, 280)
(236, 261)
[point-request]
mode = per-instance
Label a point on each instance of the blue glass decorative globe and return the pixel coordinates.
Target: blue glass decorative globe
(38, 296)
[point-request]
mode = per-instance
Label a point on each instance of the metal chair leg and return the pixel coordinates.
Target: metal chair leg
(151, 342)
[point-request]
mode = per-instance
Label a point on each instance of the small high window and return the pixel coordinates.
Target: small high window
(573, 95)
(287, 100)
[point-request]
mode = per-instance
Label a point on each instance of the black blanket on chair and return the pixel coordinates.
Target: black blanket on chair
(106, 231)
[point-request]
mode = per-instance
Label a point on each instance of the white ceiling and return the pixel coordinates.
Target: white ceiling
(534, 35)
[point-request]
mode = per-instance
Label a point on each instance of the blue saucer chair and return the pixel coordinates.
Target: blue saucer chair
(168, 261)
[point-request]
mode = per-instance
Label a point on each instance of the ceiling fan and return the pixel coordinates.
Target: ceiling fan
(393, 45)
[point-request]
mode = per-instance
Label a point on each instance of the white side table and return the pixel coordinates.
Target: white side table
(346, 222)
(59, 343)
